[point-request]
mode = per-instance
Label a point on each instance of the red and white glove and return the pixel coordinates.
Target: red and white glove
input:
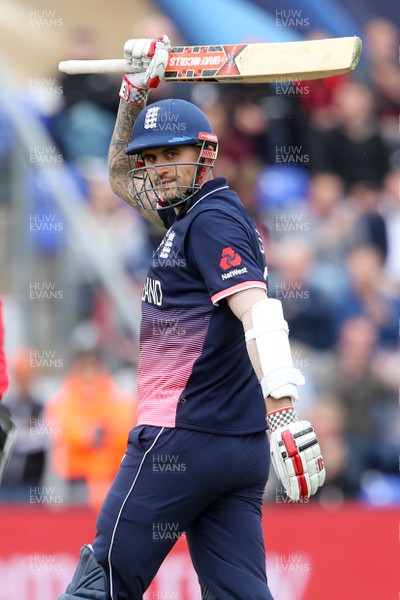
(150, 57)
(295, 454)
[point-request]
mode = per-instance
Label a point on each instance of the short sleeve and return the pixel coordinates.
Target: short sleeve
(226, 252)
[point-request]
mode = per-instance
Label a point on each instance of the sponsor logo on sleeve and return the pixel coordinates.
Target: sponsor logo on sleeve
(229, 260)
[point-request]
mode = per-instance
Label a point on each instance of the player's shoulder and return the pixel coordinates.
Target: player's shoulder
(222, 214)
(222, 203)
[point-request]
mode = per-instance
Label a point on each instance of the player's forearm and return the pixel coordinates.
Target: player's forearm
(272, 362)
(118, 161)
(274, 404)
(270, 402)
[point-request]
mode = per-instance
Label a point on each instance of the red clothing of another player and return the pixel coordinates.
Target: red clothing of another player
(3, 363)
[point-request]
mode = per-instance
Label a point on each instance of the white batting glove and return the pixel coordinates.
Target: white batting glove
(295, 454)
(150, 57)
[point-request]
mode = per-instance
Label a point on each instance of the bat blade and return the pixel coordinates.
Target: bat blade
(265, 63)
(245, 63)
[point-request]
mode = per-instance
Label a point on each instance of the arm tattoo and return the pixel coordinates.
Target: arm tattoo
(119, 163)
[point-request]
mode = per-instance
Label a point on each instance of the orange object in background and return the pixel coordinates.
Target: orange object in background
(92, 418)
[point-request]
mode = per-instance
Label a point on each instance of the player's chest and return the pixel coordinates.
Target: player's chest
(171, 279)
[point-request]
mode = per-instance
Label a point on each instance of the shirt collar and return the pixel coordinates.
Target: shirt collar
(206, 189)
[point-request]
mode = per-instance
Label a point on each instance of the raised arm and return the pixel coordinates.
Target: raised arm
(119, 164)
(152, 57)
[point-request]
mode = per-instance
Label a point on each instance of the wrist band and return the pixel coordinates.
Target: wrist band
(132, 94)
(281, 417)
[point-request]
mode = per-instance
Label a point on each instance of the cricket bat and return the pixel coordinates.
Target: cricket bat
(244, 63)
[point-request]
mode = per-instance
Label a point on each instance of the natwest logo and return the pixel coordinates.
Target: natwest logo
(229, 259)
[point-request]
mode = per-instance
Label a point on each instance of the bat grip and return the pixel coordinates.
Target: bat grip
(111, 65)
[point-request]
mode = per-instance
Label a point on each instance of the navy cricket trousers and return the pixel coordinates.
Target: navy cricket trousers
(175, 481)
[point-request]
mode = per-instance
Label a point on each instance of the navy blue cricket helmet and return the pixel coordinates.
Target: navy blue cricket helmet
(169, 123)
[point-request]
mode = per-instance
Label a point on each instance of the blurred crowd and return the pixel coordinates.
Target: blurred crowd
(317, 163)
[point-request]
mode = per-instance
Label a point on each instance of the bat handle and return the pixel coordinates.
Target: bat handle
(111, 65)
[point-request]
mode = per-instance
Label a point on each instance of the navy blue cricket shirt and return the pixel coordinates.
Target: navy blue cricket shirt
(194, 370)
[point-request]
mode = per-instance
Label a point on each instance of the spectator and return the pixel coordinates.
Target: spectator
(390, 209)
(329, 222)
(307, 308)
(385, 367)
(85, 123)
(351, 378)
(354, 149)
(342, 473)
(380, 73)
(370, 228)
(316, 95)
(125, 227)
(26, 408)
(370, 292)
(362, 395)
(94, 417)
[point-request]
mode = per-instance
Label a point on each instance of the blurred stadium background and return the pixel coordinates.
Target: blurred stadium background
(317, 164)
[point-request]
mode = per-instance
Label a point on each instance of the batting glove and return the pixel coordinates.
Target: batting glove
(150, 58)
(295, 454)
